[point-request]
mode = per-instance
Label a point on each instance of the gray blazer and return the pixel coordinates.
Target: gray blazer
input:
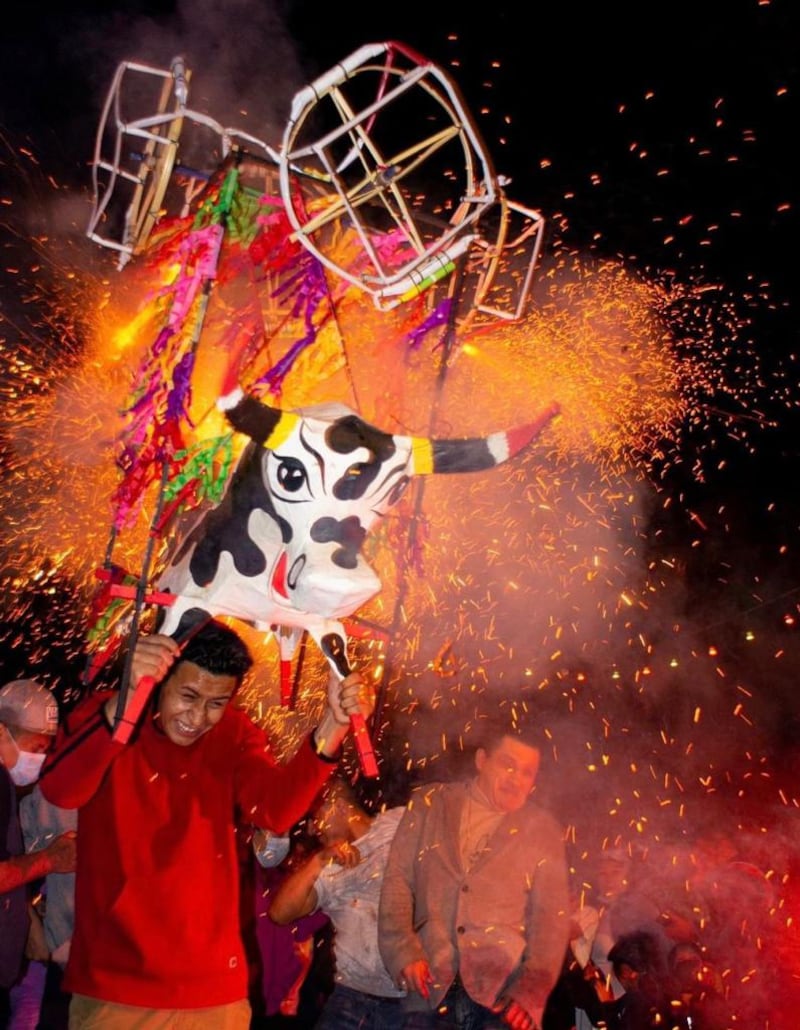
(502, 925)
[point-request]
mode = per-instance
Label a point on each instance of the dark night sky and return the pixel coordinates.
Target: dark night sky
(624, 128)
(706, 90)
(565, 70)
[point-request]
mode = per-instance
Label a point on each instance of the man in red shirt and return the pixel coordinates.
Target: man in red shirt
(157, 940)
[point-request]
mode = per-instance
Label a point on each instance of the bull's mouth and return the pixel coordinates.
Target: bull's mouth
(285, 577)
(279, 576)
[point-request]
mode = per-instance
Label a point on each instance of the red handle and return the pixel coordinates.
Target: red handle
(333, 647)
(133, 710)
(366, 753)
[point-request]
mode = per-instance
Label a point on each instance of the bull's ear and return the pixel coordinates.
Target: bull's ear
(267, 426)
(472, 455)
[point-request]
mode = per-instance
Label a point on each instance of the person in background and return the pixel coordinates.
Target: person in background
(283, 954)
(621, 906)
(561, 1011)
(157, 938)
(473, 917)
(699, 992)
(343, 879)
(637, 961)
(28, 724)
(38, 1000)
(726, 909)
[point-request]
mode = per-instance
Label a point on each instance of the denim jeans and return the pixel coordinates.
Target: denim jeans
(346, 1009)
(456, 1011)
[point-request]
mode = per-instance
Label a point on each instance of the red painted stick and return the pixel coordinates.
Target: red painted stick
(366, 752)
(286, 683)
(141, 695)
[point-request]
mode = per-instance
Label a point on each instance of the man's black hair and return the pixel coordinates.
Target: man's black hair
(493, 731)
(217, 649)
(639, 950)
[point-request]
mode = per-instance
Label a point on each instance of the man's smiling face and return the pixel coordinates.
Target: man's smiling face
(192, 702)
(507, 773)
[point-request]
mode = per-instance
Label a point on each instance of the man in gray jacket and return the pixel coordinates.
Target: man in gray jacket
(473, 913)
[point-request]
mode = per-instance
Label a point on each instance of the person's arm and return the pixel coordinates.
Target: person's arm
(58, 857)
(85, 746)
(297, 895)
(83, 751)
(275, 796)
(36, 949)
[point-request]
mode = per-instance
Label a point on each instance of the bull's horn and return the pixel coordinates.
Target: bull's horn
(433, 456)
(267, 426)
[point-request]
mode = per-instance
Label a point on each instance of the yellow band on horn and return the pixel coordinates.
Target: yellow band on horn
(282, 430)
(422, 450)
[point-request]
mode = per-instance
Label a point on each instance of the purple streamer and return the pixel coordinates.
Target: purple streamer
(180, 396)
(162, 340)
(275, 376)
(308, 286)
(439, 316)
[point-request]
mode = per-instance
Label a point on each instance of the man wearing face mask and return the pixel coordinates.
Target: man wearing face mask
(28, 723)
(284, 953)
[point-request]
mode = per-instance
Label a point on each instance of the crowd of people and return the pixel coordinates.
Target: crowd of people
(181, 877)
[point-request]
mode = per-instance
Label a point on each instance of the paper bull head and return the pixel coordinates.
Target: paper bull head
(283, 547)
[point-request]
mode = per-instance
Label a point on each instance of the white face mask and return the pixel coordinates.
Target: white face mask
(272, 851)
(27, 767)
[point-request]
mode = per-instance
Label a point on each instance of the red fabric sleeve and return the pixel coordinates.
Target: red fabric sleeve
(276, 796)
(83, 752)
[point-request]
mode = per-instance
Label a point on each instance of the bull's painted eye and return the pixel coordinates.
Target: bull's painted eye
(291, 475)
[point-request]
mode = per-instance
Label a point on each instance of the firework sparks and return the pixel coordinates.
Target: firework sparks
(567, 584)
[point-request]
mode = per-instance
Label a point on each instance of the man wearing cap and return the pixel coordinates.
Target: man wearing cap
(28, 723)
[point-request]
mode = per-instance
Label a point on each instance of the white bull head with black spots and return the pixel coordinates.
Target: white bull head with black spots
(283, 547)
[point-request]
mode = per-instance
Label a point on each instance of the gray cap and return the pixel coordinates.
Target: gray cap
(30, 706)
